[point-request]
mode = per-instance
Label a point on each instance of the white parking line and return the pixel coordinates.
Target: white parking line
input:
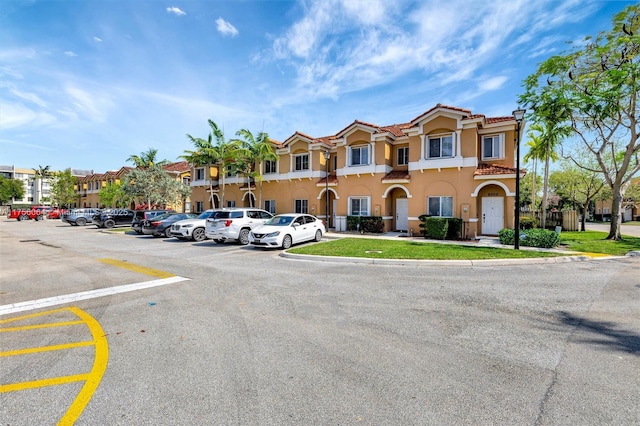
(84, 295)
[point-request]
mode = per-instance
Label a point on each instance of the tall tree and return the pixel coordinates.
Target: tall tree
(545, 139)
(223, 154)
(10, 189)
(594, 89)
(63, 192)
(146, 159)
(154, 186)
(42, 173)
(255, 150)
(114, 195)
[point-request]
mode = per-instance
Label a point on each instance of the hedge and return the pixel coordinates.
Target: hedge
(372, 224)
(440, 228)
(542, 238)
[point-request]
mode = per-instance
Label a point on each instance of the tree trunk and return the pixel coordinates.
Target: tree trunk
(545, 188)
(616, 214)
(583, 220)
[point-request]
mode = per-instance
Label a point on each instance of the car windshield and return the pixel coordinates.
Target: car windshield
(207, 215)
(280, 221)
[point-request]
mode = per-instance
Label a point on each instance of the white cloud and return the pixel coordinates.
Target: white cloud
(91, 105)
(225, 28)
(97, 39)
(70, 53)
(16, 115)
(176, 11)
(493, 83)
(31, 97)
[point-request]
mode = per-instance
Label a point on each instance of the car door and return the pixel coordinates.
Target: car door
(300, 230)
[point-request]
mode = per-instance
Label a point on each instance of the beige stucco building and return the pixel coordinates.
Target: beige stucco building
(445, 162)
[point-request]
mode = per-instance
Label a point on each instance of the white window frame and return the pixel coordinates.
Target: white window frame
(275, 167)
(200, 173)
(301, 157)
(497, 143)
(402, 154)
(359, 148)
(301, 206)
(441, 137)
(362, 200)
(270, 206)
(199, 206)
(440, 206)
(231, 203)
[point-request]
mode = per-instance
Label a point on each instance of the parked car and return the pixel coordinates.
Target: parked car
(284, 230)
(161, 225)
(235, 224)
(141, 215)
(112, 217)
(55, 213)
(193, 229)
(79, 217)
(35, 212)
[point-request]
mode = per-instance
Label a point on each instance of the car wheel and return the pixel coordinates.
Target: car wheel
(318, 235)
(286, 242)
(81, 221)
(198, 235)
(109, 223)
(167, 232)
(243, 237)
(23, 217)
(40, 217)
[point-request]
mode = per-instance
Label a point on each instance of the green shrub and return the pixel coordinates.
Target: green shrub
(371, 224)
(541, 238)
(527, 222)
(436, 227)
(452, 230)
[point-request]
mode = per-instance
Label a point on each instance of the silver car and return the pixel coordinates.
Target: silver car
(193, 229)
(79, 217)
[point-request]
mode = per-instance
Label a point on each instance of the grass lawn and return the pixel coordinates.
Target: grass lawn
(391, 249)
(594, 242)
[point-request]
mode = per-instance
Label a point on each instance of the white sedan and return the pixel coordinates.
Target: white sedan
(284, 230)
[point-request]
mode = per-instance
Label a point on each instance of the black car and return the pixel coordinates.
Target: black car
(112, 217)
(161, 225)
(141, 215)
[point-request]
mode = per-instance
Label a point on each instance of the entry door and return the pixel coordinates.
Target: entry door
(492, 215)
(402, 214)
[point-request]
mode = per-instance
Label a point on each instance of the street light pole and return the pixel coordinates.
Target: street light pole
(518, 115)
(327, 156)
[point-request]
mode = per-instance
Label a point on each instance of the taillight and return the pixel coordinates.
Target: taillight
(228, 222)
(156, 223)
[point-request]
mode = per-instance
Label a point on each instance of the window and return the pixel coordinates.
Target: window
(270, 167)
(301, 162)
(200, 173)
(270, 206)
(186, 180)
(199, 206)
(440, 206)
(492, 147)
(301, 206)
(359, 206)
(359, 155)
(440, 147)
(231, 203)
(403, 156)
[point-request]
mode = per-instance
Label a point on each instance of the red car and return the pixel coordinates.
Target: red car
(36, 213)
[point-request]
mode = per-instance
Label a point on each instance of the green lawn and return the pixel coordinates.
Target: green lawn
(390, 249)
(594, 242)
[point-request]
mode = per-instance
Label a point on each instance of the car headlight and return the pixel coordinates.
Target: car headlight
(187, 226)
(272, 234)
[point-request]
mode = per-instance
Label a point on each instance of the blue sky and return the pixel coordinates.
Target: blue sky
(87, 83)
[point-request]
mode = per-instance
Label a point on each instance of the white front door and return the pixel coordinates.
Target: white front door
(492, 215)
(402, 214)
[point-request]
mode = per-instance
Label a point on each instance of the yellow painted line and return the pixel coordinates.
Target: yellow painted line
(136, 268)
(95, 376)
(46, 348)
(43, 383)
(34, 327)
(92, 379)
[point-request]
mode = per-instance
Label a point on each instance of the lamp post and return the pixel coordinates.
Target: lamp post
(518, 115)
(327, 156)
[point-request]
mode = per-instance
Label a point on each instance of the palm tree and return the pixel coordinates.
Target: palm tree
(255, 151)
(147, 159)
(546, 137)
(42, 173)
(222, 154)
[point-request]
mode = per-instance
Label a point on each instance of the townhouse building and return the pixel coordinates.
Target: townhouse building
(445, 162)
(89, 186)
(37, 190)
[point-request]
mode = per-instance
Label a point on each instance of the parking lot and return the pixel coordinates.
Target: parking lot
(205, 333)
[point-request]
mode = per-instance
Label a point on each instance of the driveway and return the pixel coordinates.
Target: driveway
(631, 230)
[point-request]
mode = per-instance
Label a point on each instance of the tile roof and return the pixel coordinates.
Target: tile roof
(397, 175)
(495, 169)
(180, 166)
(333, 179)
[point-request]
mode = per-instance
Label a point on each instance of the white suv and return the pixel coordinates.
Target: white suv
(193, 229)
(235, 224)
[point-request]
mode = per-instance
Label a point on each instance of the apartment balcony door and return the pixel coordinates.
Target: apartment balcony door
(402, 214)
